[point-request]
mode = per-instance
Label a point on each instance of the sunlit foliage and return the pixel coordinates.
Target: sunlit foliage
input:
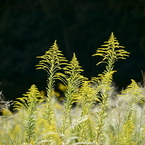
(89, 113)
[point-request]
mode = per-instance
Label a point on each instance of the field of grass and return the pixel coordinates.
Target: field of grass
(92, 112)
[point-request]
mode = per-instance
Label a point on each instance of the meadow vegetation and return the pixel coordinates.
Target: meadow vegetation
(92, 112)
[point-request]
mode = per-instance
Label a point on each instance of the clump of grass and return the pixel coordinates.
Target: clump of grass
(4, 105)
(42, 120)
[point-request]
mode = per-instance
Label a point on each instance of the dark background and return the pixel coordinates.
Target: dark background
(29, 27)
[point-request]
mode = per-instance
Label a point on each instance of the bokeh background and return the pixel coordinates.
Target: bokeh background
(29, 27)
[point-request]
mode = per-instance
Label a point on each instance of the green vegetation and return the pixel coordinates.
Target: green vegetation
(91, 112)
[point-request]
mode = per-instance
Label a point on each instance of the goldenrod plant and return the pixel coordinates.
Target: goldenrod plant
(134, 96)
(73, 79)
(51, 62)
(111, 52)
(86, 100)
(92, 112)
(29, 102)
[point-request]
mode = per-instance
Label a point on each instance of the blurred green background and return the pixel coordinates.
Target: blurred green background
(29, 27)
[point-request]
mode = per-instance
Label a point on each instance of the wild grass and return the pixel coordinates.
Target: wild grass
(92, 111)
